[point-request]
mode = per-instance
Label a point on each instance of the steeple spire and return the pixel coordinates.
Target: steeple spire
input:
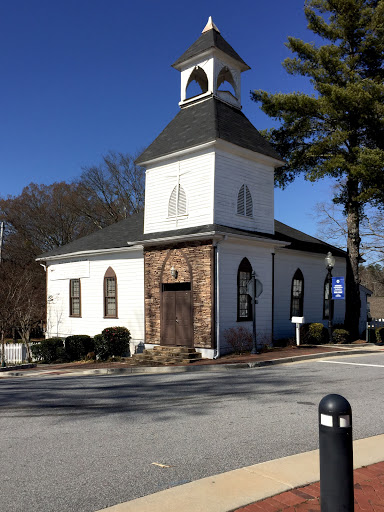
(210, 26)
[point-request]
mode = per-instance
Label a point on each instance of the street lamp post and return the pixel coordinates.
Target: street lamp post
(330, 263)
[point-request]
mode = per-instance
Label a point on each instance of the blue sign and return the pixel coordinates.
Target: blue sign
(338, 288)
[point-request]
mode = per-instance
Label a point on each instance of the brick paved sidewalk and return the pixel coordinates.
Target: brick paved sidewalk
(369, 495)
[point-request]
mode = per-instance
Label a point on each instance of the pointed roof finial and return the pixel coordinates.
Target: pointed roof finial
(210, 25)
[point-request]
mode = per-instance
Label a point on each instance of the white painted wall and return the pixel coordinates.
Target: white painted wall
(314, 272)
(231, 172)
(231, 252)
(129, 269)
(195, 173)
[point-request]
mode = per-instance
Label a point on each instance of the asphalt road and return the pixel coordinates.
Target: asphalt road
(84, 443)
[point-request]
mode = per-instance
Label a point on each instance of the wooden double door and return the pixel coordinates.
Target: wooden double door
(176, 315)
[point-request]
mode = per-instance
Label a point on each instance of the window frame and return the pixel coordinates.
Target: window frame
(244, 267)
(109, 274)
(298, 276)
(72, 297)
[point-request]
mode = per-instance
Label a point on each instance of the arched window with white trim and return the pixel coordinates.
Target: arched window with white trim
(177, 202)
(110, 294)
(244, 202)
(297, 294)
(244, 303)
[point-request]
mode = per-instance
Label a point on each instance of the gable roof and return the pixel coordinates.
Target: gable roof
(206, 121)
(130, 231)
(110, 237)
(209, 39)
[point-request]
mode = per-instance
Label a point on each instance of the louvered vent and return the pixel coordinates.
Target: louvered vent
(240, 201)
(244, 202)
(182, 206)
(172, 203)
(177, 206)
(248, 202)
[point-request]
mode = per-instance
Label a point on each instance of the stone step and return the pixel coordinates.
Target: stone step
(181, 350)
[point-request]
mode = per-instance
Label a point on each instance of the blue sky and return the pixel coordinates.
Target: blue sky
(82, 77)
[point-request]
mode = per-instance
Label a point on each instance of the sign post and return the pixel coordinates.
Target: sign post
(254, 289)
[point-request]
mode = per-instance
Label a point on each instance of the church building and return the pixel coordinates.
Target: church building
(177, 275)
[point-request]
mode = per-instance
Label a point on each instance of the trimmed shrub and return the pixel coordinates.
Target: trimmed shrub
(317, 334)
(78, 346)
(113, 341)
(239, 338)
(49, 350)
(340, 336)
(379, 334)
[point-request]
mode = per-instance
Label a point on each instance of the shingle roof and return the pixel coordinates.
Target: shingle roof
(207, 40)
(206, 121)
(131, 230)
(113, 236)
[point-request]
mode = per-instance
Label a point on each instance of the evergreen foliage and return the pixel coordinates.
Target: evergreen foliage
(338, 131)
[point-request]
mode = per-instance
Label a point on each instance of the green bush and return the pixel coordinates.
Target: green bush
(49, 350)
(78, 346)
(379, 334)
(317, 334)
(340, 336)
(113, 341)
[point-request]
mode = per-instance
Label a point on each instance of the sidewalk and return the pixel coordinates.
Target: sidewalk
(285, 484)
(369, 494)
(226, 362)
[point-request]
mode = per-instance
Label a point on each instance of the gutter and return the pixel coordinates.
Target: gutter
(95, 252)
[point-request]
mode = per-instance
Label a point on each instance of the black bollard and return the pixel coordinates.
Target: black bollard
(336, 454)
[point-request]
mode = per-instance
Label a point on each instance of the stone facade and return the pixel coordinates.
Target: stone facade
(194, 263)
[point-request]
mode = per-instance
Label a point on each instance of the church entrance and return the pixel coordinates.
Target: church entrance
(176, 317)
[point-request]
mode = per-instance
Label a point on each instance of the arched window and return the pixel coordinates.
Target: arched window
(297, 294)
(177, 202)
(244, 202)
(199, 76)
(225, 82)
(244, 303)
(327, 302)
(110, 294)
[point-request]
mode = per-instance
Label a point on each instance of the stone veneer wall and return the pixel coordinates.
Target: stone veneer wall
(186, 258)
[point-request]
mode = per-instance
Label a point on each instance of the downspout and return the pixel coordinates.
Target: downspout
(217, 295)
(273, 298)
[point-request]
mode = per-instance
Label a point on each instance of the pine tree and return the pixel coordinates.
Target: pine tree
(338, 131)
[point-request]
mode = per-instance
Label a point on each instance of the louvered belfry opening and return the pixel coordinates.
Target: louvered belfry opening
(244, 202)
(177, 202)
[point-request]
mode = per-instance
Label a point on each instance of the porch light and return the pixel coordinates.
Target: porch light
(174, 272)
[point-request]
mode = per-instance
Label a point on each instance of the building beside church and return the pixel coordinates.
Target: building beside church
(177, 274)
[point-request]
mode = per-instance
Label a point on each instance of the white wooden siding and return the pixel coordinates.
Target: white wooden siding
(314, 272)
(231, 172)
(129, 269)
(196, 178)
(231, 252)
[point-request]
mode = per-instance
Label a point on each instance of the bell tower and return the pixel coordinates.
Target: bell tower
(214, 66)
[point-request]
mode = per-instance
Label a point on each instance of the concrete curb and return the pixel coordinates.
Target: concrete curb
(137, 370)
(238, 488)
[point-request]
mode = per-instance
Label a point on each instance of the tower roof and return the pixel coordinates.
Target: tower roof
(210, 38)
(203, 122)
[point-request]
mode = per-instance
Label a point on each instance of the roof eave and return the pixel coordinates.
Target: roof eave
(189, 61)
(89, 252)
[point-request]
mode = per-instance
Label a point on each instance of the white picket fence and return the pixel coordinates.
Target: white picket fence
(373, 324)
(15, 353)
